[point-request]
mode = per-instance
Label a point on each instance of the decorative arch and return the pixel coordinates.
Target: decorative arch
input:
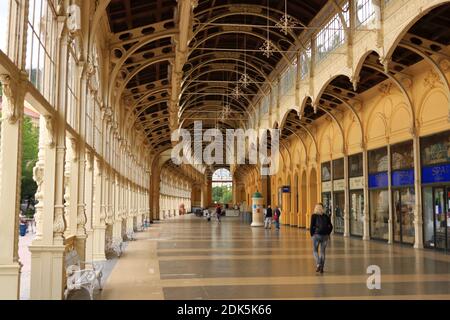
(426, 7)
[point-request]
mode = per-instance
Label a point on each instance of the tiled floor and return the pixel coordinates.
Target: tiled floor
(189, 258)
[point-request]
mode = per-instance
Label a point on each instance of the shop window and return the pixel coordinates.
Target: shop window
(378, 160)
(428, 217)
(355, 165)
(355, 170)
(326, 201)
(356, 213)
(338, 169)
(436, 149)
(379, 214)
(402, 156)
(404, 202)
(326, 171)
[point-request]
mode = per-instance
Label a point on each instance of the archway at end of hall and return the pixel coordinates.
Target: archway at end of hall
(222, 187)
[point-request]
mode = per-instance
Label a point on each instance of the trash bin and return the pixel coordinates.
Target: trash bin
(23, 229)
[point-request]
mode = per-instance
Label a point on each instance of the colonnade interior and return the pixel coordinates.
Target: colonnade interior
(357, 91)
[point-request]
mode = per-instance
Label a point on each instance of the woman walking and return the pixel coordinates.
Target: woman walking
(320, 230)
(218, 212)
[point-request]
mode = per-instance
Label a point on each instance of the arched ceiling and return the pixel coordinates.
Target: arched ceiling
(154, 69)
(223, 43)
(227, 36)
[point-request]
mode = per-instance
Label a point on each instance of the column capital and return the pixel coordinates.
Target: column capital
(14, 94)
(50, 130)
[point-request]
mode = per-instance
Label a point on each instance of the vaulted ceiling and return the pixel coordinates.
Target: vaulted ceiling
(224, 42)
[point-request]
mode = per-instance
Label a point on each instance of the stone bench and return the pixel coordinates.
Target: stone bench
(78, 278)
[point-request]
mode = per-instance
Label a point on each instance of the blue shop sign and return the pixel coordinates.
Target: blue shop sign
(403, 178)
(286, 189)
(378, 180)
(434, 174)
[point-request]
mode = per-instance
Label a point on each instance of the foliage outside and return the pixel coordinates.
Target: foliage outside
(222, 194)
(29, 159)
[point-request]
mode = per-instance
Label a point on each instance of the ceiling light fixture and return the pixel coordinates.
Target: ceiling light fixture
(268, 47)
(287, 23)
(244, 80)
(236, 93)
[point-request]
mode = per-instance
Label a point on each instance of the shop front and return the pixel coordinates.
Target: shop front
(435, 154)
(338, 195)
(379, 194)
(403, 193)
(356, 194)
(326, 187)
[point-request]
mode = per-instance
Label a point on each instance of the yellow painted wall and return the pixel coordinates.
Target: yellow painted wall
(386, 118)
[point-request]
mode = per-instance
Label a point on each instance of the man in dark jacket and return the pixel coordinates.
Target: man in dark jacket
(320, 230)
(268, 220)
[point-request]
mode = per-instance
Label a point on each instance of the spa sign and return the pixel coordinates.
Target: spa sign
(436, 174)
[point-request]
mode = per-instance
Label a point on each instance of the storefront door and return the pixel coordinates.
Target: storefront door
(339, 203)
(356, 213)
(441, 196)
(404, 202)
(326, 201)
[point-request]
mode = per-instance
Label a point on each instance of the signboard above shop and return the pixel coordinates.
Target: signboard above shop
(326, 186)
(436, 174)
(286, 189)
(339, 185)
(357, 183)
(403, 178)
(378, 180)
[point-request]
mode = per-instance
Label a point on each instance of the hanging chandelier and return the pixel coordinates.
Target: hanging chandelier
(226, 111)
(287, 22)
(244, 80)
(268, 48)
(236, 93)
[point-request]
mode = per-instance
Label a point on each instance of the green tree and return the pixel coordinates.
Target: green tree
(222, 194)
(217, 192)
(29, 158)
(227, 196)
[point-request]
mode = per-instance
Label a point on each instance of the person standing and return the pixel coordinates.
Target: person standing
(218, 212)
(207, 214)
(320, 230)
(268, 220)
(276, 217)
(23, 224)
